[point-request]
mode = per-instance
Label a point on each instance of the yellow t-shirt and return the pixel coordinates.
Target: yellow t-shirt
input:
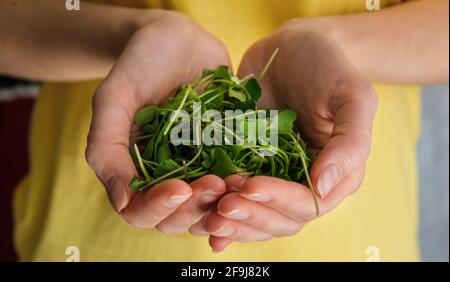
(61, 203)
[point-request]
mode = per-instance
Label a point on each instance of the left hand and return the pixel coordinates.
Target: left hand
(335, 106)
(154, 62)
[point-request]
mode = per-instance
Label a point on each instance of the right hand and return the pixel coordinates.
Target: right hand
(335, 106)
(165, 52)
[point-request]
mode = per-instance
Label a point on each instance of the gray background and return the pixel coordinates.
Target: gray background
(434, 174)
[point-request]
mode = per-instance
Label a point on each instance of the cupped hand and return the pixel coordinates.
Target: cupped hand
(335, 107)
(166, 51)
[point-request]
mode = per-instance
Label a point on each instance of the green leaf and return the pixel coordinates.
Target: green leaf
(206, 163)
(251, 130)
(286, 119)
(237, 94)
(163, 153)
(213, 100)
(222, 73)
(145, 115)
(236, 80)
(141, 163)
(148, 152)
(223, 165)
(207, 72)
(221, 90)
(254, 89)
(136, 183)
(166, 167)
(236, 149)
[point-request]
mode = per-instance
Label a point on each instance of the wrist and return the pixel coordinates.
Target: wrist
(325, 26)
(336, 30)
(135, 20)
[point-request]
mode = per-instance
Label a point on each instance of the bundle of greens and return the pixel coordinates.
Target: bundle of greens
(158, 159)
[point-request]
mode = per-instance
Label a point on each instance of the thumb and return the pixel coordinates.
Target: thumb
(107, 148)
(114, 167)
(350, 141)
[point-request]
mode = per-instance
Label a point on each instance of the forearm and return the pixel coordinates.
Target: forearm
(407, 43)
(42, 40)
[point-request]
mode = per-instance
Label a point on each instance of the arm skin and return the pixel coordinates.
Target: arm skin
(41, 40)
(407, 43)
(411, 40)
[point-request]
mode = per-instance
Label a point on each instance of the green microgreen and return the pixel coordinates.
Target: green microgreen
(218, 89)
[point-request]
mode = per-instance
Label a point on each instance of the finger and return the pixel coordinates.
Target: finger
(206, 191)
(350, 141)
(345, 188)
(257, 216)
(198, 229)
(289, 198)
(149, 208)
(107, 149)
(234, 182)
(218, 244)
(220, 226)
(295, 200)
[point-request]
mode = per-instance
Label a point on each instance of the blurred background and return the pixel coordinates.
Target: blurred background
(434, 173)
(16, 102)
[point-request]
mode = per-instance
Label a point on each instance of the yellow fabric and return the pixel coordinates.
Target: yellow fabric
(61, 203)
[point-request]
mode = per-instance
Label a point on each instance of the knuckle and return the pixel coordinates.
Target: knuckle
(360, 90)
(90, 155)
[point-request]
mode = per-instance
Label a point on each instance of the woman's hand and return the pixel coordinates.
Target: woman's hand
(165, 52)
(335, 105)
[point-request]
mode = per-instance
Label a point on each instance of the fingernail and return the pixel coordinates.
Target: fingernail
(208, 196)
(177, 200)
(257, 197)
(197, 231)
(236, 215)
(223, 231)
(117, 194)
(328, 179)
